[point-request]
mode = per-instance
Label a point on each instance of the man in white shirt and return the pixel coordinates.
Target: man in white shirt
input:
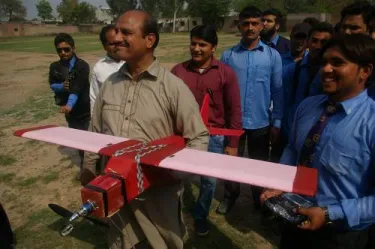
(105, 66)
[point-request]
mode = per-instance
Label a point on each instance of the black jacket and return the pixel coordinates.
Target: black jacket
(283, 45)
(79, 85)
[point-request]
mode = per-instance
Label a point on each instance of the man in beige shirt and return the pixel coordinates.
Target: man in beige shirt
(144, 101)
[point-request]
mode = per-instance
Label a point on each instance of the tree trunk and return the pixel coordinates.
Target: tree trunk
(10, 15)
(174, 21)
(176, 8)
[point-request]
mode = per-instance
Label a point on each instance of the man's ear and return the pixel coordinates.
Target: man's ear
(277, 26)
(366, 72)
(150, 40)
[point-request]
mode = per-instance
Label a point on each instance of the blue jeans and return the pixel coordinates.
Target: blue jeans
(208, 184)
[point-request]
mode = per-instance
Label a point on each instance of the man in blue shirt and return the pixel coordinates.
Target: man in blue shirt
(302, 79)
(299, 39)
(272, 19)
(334, 133)
(356, 19)
(259, 72)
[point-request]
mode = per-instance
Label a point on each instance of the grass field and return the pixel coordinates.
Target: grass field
(33, 174)
(88, 43)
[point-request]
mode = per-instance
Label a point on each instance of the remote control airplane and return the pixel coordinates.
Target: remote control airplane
(134, 166)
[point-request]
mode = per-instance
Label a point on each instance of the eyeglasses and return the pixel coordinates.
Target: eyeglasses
(66, 50)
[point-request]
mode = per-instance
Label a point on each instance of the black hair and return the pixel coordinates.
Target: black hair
(337, 27)
(311, 20)
(150, 26)
(276, 13)
(362, 8)
(103, 33)
(322, 27)
(64, 37)
(372, 17)
(205, 32)
(357, 48)
(250, 12)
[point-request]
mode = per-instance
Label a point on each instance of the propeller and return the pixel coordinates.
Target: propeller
(60, 210)
(68, 214)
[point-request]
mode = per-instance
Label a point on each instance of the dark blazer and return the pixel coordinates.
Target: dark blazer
(79, 85)
(283, 45)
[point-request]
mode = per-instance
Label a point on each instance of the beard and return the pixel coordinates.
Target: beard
(267, 34)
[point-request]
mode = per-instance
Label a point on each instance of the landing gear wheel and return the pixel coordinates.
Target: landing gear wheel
(67, 230)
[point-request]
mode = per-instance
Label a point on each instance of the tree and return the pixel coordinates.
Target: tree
(296, 6)
(120, 6)
(66, 9)
(76, 13)
(154, 7)
(328, 6)
(84, 13)
(284, 6)
(171, 9)
(44, 9)
(12, 8)
(211, 12)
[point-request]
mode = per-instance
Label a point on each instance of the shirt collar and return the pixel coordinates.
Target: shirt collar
(305, 59)
(288, 55)
(110, 59)
(70, 63)
(152, 70)
(350, 105)
(259, 46)
(275, 39)
(214, 64)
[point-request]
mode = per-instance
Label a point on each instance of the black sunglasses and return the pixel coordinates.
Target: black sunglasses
(66, 50)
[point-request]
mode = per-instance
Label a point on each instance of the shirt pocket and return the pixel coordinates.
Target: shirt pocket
(110, 115)
(262, 74)
(335, 158)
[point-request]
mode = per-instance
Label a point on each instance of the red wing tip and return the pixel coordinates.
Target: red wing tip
(19, 133)
(306, 181)
(225, 132)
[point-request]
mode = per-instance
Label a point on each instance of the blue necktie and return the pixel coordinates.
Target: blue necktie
(308, 150)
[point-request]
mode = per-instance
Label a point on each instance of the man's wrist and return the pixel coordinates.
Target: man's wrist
(326, 215)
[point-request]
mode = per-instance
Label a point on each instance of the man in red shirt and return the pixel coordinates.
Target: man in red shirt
(204, 74)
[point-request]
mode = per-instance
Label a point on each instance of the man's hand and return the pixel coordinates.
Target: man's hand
(274, 135)
(65, 109)
(66, 85)
(315, 218)
(268, 193)
(231, 151)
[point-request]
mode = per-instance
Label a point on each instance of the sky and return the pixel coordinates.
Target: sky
(32, 12)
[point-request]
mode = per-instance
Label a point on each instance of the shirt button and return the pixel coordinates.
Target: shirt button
(129, 101)
(126, 118)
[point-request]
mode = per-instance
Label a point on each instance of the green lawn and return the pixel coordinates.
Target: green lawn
(172, 47)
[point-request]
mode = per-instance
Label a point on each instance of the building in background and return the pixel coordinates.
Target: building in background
(103, 15)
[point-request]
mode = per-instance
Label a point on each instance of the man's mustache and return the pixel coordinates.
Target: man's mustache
(118, 45)
(122, 44)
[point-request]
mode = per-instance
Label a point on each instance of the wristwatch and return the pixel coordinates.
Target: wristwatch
(326, 215)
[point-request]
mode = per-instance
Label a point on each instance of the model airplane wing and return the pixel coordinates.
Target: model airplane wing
(78, 139)
(299, 180)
